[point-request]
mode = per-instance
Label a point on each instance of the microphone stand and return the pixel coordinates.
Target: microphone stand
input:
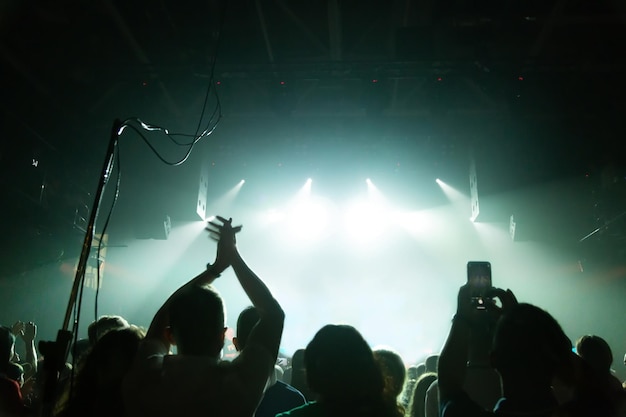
(56, 352)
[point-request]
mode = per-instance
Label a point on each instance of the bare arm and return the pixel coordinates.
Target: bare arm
(28, 336)
(268, 331)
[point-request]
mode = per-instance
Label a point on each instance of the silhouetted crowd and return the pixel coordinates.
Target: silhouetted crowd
(505, 358)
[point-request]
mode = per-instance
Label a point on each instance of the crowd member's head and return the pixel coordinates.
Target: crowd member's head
(197, 321)
(103, 325)
(15, 371)
(99, 380)
(394, 371)
(247, 319)
(298, 378)
(7, 346)
(528, 341)
(342, 370)
(430, 365)
(417, 405)
(596, 353)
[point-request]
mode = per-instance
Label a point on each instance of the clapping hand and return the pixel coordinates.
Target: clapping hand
(29, 332)
(224, 233)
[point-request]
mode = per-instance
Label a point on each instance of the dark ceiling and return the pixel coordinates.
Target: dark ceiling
(538, 85)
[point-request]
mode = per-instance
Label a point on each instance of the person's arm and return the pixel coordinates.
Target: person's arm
(268, 330)
(160, 322)
(454, 355)
(28, 335)
(453, 359)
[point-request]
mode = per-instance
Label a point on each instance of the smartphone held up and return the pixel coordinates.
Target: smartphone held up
(479, 281)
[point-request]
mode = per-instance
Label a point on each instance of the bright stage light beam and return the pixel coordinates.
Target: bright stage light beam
(223, 204)
(452, 193)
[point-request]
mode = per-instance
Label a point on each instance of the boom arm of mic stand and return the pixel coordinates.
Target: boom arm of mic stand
(55, 353)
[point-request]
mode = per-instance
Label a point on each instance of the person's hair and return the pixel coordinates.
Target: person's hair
(247, 319)
(528, 340)
(417, 405)
(98, 384)
(394, 371)
(15, 371)
(7, 341)
(596, 352)
(342, 370)
(197, 321)
(103, 325)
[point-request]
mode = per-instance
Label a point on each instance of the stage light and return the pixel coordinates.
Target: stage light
(438, 181)
(242, 182)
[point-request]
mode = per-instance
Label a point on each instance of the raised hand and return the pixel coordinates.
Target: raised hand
(18, 328)
(224, 233)
(29, 332)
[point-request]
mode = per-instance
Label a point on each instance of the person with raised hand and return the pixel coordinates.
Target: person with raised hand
(529, 350)
(194, 382)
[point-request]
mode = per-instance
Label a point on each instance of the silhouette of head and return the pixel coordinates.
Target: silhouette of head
(197, 321)
(392, 367)
(247, 319)
(430, 365)
(529, 341)
(7, 346)
(103, 325)
(340, 365)
(15, 371)
(596, 352)
(417, 406)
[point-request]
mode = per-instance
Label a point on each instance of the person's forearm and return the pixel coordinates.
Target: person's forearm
(255, 289)
(453, 359)
(31, 356)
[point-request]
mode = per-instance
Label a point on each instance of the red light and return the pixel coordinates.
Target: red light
(520, 78)
(282, 83)
(144, 83)
(374, 80)
(219, 83)
(439, 79)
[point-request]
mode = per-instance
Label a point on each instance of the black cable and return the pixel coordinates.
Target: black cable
(212, 71)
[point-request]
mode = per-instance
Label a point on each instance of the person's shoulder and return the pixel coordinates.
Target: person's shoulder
(254, 357)
(311, 409)
(461, 405)
(283, 386)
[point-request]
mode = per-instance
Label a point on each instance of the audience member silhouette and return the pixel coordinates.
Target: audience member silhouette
(342, 371)
(482, 382)
(11, 402)
(430, 364)
(529, 349)
(417, 406)
(97, 389)
(278, 396)
(598, 391)
(597, 354)
(195, 382)
(103, 325)
(413, 374)
(298, 378)
(394, 371)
